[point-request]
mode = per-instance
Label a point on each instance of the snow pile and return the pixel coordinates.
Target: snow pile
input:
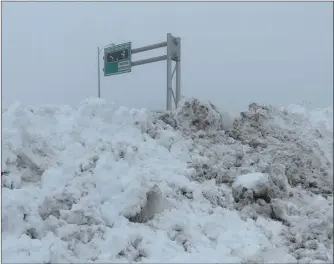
(100, 184)
(288, 157)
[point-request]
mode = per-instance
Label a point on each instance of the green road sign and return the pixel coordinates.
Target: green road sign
(117, 59)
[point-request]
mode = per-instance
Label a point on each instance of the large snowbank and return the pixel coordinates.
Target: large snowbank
(106, 184)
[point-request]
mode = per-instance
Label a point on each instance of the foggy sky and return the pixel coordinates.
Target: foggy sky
(232, 53)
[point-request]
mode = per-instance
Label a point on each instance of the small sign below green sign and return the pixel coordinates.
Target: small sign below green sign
(117, 59)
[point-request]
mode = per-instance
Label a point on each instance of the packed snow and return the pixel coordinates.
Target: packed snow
(103, 184)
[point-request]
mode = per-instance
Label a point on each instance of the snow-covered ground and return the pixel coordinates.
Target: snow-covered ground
(104, 184)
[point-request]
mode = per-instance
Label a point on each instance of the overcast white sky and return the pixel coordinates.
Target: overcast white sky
(232, 53)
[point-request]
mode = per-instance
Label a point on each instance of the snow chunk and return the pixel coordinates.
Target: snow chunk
(250, 187)
(251, 180)
(255, 193)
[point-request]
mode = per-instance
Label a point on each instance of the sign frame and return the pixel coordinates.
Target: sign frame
(173, 45)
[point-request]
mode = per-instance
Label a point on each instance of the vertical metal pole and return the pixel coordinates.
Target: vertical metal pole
(98, 73)
(178, 73)
(169, 72)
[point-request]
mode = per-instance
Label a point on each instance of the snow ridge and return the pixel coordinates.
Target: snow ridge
(104, 184)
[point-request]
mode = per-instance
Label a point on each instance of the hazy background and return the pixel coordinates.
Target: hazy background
(232, 53)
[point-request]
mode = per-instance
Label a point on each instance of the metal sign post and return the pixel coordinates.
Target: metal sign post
(117, 60)
(98, 69)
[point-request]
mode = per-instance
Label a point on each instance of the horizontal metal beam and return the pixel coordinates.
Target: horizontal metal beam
(155, 59)
(154, 46)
